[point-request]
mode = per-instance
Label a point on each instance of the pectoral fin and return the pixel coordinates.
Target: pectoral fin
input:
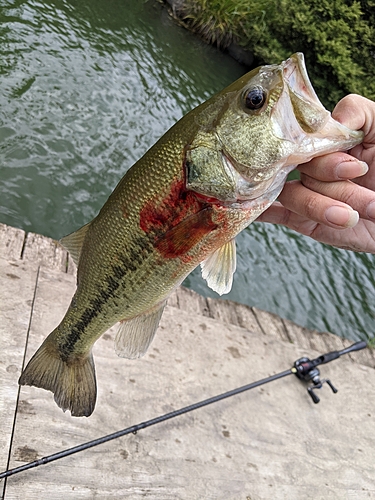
(135, 335)
(184, 236)
(219, 267)
(74, 241)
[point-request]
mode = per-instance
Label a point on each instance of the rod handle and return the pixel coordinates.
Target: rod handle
(354, 347)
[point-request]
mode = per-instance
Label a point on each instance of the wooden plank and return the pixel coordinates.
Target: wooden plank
(11, 242)
(222, 310)
(218, 309)
(317, 343)
(246, 317)
(365, 357)
(17, 284)
(189, 301)
(297, 334)
(271, 324)
(46, 251)
(270, 443)
(16, 243)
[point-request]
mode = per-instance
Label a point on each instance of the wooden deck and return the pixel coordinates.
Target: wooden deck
(272, 442)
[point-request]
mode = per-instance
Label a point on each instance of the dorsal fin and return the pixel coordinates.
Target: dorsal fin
(135, 335)
(74, 241)
(219, 267)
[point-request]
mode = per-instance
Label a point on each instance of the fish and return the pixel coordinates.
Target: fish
(180, 206)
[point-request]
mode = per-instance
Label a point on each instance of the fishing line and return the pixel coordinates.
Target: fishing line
(304, 368)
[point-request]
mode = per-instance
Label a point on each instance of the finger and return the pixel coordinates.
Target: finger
(361, 238)
(275, 214)
(317, 207)
(357, 113)
(278, 214)
(359, 198)
(334, 167)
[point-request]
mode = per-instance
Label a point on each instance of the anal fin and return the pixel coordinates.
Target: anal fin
(135, 335)
(219, 267)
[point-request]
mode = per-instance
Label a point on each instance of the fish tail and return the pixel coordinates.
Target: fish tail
(72, 382)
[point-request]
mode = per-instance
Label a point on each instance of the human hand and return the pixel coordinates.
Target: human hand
(334, 202)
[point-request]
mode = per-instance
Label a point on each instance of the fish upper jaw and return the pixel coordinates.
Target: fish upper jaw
(296, 76)
(301, 119)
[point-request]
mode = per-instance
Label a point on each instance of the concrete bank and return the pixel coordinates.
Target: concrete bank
(271, 442)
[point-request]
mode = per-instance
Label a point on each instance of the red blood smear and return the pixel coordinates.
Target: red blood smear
(180, 239)
(177, 222)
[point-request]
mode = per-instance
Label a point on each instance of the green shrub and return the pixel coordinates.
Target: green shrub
(336, 36)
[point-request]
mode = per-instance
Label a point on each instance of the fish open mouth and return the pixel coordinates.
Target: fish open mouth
(295, 74)
(309, 112)
(304, 120)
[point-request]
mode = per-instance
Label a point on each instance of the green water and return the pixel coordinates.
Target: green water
(86, 87)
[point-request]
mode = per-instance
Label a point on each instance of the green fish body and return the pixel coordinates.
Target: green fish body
(182, 204)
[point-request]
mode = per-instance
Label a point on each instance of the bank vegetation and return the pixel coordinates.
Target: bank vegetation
(337, 37)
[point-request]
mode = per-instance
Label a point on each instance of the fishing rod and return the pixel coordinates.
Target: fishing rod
(304, 369)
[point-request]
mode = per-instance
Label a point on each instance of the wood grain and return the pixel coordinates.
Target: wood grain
(272, 442)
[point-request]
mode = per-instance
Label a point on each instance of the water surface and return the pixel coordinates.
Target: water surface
(86, 87)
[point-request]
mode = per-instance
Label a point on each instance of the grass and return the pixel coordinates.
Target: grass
(337, 38)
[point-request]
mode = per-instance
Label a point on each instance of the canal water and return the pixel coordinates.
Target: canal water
(86, 87)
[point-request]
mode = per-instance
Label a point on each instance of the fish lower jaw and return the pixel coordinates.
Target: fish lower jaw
(243, 189)
(331, 137)
(247, 190)
(266, 195)
(262, 197)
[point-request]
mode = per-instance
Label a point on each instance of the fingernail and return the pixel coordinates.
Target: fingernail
(341, 216)
(351, 169)
(371, 210)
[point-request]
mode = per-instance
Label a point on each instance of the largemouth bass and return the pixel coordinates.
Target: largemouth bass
(182, 204)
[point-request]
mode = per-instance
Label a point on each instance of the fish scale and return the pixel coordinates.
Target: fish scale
(181, 205)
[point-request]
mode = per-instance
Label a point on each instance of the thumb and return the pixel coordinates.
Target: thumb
(356, 112)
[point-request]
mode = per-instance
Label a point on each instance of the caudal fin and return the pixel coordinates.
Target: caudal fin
(73, 383)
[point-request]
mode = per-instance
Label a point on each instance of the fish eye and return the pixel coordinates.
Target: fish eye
(255, 98)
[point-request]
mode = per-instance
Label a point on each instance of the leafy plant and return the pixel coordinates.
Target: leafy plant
(337, 38)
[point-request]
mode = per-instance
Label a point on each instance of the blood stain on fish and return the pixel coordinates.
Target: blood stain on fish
(178, 222)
